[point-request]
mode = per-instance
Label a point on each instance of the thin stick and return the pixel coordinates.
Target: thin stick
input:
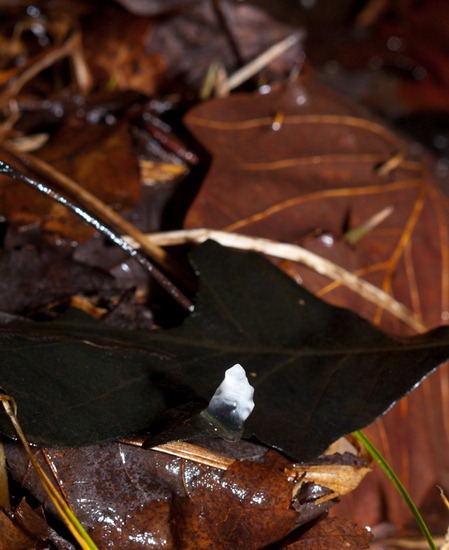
(257, 64)
(227, 31)
(189, 451)
(91, 220)
(98, 208)
(297, 254)
(196, 454)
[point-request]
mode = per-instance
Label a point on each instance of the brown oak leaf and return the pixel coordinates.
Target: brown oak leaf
(303, 165)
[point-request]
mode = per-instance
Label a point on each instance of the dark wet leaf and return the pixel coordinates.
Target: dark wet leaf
(23, 528)
(241, 520)
(31, 278)
(12, 536)
(319, 372)
(166, 502)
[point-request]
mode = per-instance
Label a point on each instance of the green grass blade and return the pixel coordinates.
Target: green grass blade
(371, 448)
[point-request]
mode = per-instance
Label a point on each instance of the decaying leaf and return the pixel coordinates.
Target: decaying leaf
(289, 181)
(12, 536)
(340, 478)
(95, 156)
(311, 175)
(23, 528)
(86, 133)
(126, 497)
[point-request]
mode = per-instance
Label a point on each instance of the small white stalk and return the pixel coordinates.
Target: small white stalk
(232, 402)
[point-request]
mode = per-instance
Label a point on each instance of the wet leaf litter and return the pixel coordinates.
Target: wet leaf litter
(191, 397)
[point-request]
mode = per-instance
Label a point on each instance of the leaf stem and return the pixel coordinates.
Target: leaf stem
(375, 453)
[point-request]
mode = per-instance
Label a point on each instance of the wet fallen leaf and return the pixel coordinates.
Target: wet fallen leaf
(313, 174)
(86, 127)
(254, 507)
(31, 278)
(12, 537)
(127, 497)
(23, 528)
(95, 155)
(248, 311)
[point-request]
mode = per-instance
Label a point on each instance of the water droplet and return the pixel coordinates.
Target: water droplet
(394, 44)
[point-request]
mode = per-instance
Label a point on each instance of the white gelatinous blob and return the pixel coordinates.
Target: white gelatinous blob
(235, 393)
